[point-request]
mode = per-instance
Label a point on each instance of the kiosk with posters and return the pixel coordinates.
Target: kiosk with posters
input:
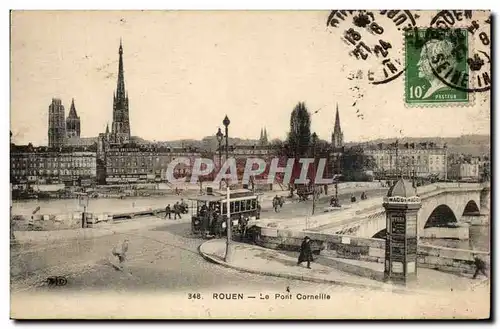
(401, 206)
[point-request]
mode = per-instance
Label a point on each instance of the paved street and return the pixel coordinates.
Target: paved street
(162, 256)
(295, 208)
(164, 267)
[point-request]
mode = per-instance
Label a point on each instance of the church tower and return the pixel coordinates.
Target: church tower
(263, 137)
(72, 122)
(120, 129)
(337, 136)
(57, 125)
(337, 148)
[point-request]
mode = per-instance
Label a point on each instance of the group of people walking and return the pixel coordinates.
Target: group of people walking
(278, 203)
(211, 221)
(177, 210)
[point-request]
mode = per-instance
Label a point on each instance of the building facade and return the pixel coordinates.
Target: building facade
(131, 163)
(464, 171)
(43, 165)
(73, 122)
(422, 159)
(120, 129)
(57, 124)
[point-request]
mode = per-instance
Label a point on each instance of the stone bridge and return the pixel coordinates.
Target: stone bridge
(441, 203)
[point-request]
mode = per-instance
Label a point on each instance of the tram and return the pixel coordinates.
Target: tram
(209, 216)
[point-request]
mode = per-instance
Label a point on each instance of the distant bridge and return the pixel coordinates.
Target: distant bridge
(441, 203)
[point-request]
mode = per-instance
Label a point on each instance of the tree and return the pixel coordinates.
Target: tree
(355, 162)
(299, 137)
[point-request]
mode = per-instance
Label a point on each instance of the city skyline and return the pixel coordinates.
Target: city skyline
(204, 77)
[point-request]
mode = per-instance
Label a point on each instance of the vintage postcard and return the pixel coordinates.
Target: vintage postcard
(250, 164)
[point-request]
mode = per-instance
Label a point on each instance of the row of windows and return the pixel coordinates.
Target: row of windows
(142, 170)
(53, 158)
(53, 172)
(406, 151)
(234, 206)
(141, 153)
(54, 165)
(123, 170)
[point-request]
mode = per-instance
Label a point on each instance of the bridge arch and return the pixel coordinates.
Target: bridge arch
(471, 209)
(380, 234)
(440, 216)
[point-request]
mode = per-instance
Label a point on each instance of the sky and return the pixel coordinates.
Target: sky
(184, 71)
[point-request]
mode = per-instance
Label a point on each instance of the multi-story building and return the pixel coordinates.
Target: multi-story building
(422, 159)
(120, 129)
(29, 164)
(72, 122)
(78, 167)
(466, 171)
(131, 163)
(57, 124)
(43, 165)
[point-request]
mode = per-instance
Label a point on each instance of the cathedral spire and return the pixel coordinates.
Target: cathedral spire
(263, 136)
(72, 110)
(120, 88)
(120, 129)
(337, 120)
(107, 128)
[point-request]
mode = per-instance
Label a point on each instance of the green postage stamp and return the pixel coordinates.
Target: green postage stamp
(436, 66)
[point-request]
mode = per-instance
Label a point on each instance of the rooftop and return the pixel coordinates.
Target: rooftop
(402, 188)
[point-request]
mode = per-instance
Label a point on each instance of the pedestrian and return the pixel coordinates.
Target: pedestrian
(206, 218)
(213, 224)
(216, 226)
(276, 204)
(480, 266)
(168, 212)
(120, 251)
(305, 252)
(242, 223)
(177, 210)
(184, 207)
(203, 209)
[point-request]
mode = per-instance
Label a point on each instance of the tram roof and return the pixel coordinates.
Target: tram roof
(221, 195)
(208, 198)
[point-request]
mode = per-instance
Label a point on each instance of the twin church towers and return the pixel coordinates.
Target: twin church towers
(63, 132)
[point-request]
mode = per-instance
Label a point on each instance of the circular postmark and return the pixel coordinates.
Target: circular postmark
(458, 49)
(370, 35)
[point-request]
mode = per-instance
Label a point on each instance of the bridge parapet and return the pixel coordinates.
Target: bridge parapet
(363, 217)
(368, 249)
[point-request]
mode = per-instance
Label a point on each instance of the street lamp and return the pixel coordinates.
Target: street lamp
(220, 136)
(229, 251)
(226, 123)
(83, 200)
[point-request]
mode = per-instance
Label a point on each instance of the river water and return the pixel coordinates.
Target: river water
(479, 239)
(99, 205)
(479, 236)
